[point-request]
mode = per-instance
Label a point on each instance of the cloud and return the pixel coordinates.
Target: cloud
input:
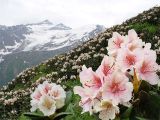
(72, 12)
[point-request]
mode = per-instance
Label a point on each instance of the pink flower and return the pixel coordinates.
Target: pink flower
(117, 88)
(90, 79)
(147, 67)
(132, 41)
(102, 91)
(36, 94)
(146, 70)
(127, 59)
(41, 90)
(132, 35)
(114, 44)
(45, 87)
(148, 53)
(87, 97)
(106, 68)
(92, 84)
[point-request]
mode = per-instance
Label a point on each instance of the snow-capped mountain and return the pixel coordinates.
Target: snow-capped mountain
(43, 36)
(23, 46)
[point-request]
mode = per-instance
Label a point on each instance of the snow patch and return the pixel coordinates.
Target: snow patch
(43, 34)
(1, 59)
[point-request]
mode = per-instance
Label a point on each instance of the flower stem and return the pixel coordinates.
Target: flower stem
(136, 82)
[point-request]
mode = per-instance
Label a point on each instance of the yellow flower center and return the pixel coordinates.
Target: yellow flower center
(47, 103)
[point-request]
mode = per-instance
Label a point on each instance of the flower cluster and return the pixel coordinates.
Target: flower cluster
(48, 97)
(131, 54)
(129, 62)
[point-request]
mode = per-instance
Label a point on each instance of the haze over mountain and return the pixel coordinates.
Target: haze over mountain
(23, 46)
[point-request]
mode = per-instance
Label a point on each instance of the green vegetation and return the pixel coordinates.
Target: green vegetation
(150, 28)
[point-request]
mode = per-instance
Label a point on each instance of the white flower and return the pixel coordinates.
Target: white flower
(47, 105)
(72, 77)
(106, 109)
(48, 97)
(109, 114)
(159, 84)
(60, 103)
(58, 93)
(34, 104)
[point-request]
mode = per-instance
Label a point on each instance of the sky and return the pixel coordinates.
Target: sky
(74, 13)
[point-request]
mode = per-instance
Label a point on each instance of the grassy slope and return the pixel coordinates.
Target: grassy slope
(147, 26)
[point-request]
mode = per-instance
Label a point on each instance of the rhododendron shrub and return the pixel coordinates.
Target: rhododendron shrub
(117, 80)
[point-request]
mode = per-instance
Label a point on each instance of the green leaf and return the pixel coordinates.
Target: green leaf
(61, 115)
(35, 116)
(127, 113)
(145, 86)
(70, 108)
(32, 114)
(155, 98)
(149, 100)
(76, 113)
(140, 118)
(22, 117)
(68, 97)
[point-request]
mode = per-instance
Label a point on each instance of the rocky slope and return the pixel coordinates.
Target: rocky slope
(64, 69)
(21, 43)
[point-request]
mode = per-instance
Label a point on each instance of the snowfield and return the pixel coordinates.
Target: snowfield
(45, 36)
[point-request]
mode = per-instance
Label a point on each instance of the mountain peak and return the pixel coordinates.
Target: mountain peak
(60, 26)
(47, 22)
